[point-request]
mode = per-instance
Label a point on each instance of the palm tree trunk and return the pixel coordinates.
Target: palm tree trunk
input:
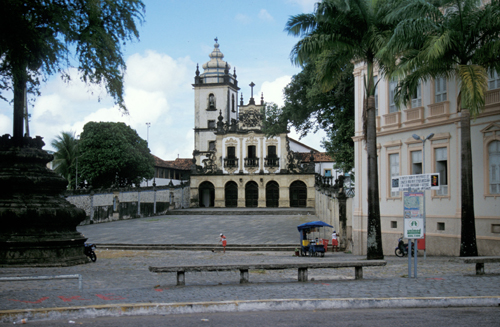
(374, 233)
(468, 245)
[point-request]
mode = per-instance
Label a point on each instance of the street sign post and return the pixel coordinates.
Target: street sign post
(414, 207)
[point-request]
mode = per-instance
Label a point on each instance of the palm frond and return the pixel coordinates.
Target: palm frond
(473, 86)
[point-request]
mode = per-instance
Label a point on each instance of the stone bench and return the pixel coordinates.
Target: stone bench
(479, 261)
(244, 268)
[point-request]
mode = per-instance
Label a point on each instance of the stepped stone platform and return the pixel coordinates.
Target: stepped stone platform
(243, 211)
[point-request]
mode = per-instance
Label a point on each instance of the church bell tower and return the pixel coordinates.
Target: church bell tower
(215, 94)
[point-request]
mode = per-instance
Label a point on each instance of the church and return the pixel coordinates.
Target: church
(234, 163)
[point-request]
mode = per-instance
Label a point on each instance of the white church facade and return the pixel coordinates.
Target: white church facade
(234, 163)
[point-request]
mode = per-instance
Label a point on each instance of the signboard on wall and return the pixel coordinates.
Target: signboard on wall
(420, 182)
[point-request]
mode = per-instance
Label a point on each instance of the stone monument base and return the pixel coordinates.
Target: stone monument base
(37, 224)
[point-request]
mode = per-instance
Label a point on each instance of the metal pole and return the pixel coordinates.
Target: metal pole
(409, 258)
(415, 258)
(425, 227)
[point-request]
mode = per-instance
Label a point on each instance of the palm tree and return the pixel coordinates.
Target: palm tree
(457, 39)
(65, 156)
(337, 33)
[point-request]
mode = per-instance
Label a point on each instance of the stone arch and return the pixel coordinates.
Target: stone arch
(272, 194)
(231, 194)
(251, 194)
(298, 194)
(206, 193)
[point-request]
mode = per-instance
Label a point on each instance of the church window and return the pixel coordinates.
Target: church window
(211, 146)
(233, 104)
(231, 160)
(252, 160)
(211, 102)
(211, 124)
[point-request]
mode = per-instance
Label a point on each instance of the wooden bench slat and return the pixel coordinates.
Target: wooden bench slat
(270, 266)
(244, 268)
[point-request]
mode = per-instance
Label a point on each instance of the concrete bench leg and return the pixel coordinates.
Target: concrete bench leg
(180, 278)
(358, 272)
(479, 268)
(243, 276)
(302, 274)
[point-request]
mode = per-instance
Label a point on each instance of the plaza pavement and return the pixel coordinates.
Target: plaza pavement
(120, 283)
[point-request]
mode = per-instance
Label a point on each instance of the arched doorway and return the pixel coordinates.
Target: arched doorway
(251, 194)
(206, 192)
(298, 194)
(231, 194)
(272, 194)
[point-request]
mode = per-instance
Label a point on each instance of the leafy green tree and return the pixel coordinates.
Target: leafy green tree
(113, 154)
(39, 38)
(65, 157)
(457, 39)
(308, 108)
(343, 31)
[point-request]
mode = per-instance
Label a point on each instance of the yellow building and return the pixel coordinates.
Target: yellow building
(433, 110)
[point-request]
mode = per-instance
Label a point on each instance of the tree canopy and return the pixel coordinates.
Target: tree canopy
(307, 108)
(340, 32)
(65, 156)
(39, 38)
(457, 39)
(113, 154)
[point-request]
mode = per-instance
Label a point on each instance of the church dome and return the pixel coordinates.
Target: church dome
(216, 66)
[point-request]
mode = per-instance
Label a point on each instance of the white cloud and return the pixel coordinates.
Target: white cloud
(273, 91)
(154, 85)
(265, 16)
(5, 125)
(244, 19)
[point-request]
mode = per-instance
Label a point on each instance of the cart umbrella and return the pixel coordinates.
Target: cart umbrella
(313, 224)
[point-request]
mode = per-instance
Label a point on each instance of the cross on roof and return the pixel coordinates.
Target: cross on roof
(251, 85)
(216, 39)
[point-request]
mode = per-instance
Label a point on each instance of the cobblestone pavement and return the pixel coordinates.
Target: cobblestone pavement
(201, 229)
(122, 276)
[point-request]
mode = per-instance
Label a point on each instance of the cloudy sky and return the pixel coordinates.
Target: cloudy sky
(176, 35)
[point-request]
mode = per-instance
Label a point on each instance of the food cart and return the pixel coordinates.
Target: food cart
(311, 243)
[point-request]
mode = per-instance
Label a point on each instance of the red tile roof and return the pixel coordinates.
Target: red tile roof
(179, 163)
(318, 157)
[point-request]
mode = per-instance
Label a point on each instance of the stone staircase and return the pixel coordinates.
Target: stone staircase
(243, 211)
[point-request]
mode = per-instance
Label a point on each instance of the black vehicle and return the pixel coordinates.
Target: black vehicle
(89, 251)
(402, 248)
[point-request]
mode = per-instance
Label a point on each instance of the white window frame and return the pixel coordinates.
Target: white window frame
(444, 180)
(494, 169)
(493, 80)
(416, 97)
(440, 90)
(392, 92)
(392, 171)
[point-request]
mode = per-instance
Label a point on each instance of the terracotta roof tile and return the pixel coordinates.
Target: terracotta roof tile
(318, 157)
(179, 163)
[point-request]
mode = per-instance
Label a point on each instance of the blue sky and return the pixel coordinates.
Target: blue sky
(176, 35)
